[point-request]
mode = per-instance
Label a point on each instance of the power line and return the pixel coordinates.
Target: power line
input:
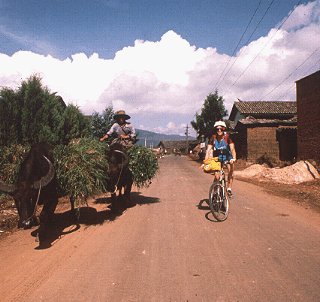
(266, 11)
(235, 49)
(312, 67)
(279, 27)
(306, 73)
(270, 4)
(290, 74)
(284, 94)
(187, 137)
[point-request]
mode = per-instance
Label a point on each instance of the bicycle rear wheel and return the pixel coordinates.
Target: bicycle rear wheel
(218, 201)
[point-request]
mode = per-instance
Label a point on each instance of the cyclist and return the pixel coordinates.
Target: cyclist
(220, 141)
(122, 129)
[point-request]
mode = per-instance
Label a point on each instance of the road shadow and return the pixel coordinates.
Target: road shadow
(67, 222)
(136, 199)
(204, 205)
(139, 199)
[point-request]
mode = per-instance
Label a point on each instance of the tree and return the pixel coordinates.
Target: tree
(75, 124)
(212, 110)
(51, 120)
(33, 114)
(10, 122)
(39, 113)
(101, 123)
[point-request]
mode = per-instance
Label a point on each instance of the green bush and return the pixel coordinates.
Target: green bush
(10, 160)
(81, 168)
(143, 164)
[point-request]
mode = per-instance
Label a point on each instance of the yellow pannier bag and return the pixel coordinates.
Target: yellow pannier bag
(211, 164)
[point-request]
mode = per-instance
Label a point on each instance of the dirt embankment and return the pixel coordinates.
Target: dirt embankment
(299, 182)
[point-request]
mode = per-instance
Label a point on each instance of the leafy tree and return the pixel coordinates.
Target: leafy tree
(212, 110)
(10, 122)
(75, 124)
(32, 96)
(101, 123)
(32, 114)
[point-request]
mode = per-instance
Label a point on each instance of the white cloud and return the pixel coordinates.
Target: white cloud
(304, 15)
(170, 76)
(171, 128)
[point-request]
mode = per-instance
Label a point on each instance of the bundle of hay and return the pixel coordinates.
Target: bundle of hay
(81, 169)
(11, 158)
(143, 164)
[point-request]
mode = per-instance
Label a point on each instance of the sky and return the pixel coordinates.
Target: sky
(159, 60)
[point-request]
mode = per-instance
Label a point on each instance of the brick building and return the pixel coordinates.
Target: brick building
(308, 107)
(265, 128)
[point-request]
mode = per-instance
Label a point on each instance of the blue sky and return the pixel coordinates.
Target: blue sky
(67, 27)
(158, 60)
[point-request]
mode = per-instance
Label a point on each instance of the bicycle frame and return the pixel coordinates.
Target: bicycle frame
(218, 198)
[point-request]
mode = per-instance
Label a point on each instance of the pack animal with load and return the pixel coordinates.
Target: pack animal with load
(36, 185)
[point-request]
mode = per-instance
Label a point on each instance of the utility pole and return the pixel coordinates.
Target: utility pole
(187, 138)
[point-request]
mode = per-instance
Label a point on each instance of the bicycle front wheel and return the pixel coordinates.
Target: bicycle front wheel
(218, 201)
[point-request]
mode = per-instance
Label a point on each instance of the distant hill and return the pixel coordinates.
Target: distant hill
(153, 138)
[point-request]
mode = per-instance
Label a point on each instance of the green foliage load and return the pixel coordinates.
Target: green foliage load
(143, 164)
(81, 168)
(10, 162)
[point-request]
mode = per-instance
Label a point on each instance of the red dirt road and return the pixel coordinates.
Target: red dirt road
(166, 249)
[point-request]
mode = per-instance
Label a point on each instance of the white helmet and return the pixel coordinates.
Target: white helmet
(220, 123)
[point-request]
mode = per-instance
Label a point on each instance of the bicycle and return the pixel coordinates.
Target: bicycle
(218, 196)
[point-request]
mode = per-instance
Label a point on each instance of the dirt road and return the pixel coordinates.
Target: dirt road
(167, 249)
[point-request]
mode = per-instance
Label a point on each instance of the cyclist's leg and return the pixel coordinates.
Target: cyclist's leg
(230, 176)
(217, 175)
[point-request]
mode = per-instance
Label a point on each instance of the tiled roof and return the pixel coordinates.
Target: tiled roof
(263, 107)
(249, 120)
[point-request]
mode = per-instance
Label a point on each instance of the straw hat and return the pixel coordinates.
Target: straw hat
(121, 113)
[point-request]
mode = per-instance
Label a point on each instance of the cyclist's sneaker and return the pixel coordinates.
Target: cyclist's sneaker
(229, 191)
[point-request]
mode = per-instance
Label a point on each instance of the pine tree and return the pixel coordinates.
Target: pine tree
(10, 122)
(75, 124)
(212, 110)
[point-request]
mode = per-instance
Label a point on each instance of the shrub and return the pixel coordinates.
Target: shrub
(81, 168)
(143, 164)
(11, 158)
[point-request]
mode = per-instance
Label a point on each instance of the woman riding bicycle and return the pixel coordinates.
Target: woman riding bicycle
(222, 146)
(122, 130)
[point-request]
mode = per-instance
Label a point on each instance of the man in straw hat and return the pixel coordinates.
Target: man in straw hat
(121, 129)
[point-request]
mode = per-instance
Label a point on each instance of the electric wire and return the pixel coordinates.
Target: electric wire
(273, 89)
(235, 49)
(270, 4)
(264, 46)
(305, 74)
(248, 40)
